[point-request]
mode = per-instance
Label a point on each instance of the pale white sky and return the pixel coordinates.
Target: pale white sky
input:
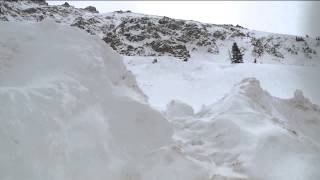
(285, 17)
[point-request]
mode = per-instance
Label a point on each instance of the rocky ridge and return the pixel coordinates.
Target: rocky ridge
(133, 34)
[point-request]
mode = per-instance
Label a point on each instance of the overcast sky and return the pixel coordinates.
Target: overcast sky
(285, 17)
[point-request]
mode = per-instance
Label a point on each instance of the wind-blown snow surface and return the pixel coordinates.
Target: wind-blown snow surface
(70, 110)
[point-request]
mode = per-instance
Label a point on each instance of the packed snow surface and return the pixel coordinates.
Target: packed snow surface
(71, 110)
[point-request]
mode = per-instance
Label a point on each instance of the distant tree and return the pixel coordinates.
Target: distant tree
(299, 38)
(236, 54)
(307, 36)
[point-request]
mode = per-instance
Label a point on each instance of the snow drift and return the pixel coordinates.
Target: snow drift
(70, 110)
(249, 134)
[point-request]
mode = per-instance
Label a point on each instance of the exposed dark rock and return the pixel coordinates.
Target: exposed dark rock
(91, 9)
(84, 23)
(30, 10)
(170, 47)
(220, 35)
(113, 40)
(66, 4)
(121, 12)
(164, 20)
(41, 2)
(308, 51)
(293, 49)
(154, 61)
(150, 35)
(134, 38)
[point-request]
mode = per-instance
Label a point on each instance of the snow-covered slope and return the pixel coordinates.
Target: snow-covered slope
(135, 34)
(202, 82)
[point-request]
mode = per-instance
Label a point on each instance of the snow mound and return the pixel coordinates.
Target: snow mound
(249, 134)
(71, 110)
(177, 108)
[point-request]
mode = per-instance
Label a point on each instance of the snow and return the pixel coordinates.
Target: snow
(60, 115)
(248, 134)
(238, 121)
(201, 81)
(178, 109)
(275, 48)
(70, 109)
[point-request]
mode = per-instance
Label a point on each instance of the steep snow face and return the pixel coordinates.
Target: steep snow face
(249, 134)
(202, 82)
(135, 34)
(70, 110)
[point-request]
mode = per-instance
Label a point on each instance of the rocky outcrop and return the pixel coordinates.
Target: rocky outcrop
(91, 9)
(136, 34)
(169, 47)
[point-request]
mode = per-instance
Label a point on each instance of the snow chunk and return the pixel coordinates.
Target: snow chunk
(67, 110)
(177, 108)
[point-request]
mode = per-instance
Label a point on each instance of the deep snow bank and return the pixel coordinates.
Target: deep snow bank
(69, 109)
(249, 134)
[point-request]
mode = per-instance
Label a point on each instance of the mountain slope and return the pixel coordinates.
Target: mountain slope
(144, 35)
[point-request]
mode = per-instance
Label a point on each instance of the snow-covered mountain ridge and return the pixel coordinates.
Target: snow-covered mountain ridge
(134, 34)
